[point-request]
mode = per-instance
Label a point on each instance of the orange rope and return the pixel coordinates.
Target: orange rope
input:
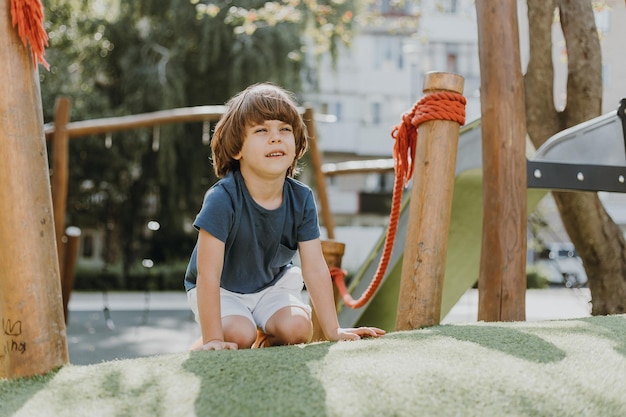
(435, 106)
(27, 16)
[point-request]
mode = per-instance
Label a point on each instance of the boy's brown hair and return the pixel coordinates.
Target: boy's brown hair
(255, 104)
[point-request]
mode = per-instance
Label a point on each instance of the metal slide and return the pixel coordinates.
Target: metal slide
(599, 141)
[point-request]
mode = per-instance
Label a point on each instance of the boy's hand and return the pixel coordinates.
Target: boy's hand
(217, 344)
(356, 333)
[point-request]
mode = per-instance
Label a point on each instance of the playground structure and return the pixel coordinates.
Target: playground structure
(587, 157)
(461, 268)
(465, 221)
(31, 304)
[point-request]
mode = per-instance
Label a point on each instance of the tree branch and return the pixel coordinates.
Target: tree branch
(541, 116)
(584, 63)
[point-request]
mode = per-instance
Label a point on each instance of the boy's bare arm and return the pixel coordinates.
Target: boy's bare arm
(319, 285)
(210, 264)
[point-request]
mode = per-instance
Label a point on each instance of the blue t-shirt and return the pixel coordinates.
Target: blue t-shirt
(259, 243)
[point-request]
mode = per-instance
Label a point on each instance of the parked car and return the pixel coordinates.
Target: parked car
(561, 265)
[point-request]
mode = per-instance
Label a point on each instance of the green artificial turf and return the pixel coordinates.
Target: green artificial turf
(553, 368)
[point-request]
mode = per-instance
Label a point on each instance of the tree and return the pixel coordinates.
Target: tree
(114, 57)
(596, 237)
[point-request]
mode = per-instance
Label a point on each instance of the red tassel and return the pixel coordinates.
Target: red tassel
(27, 16)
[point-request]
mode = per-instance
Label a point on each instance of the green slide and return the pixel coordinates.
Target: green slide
(464, 242)
(462, 262)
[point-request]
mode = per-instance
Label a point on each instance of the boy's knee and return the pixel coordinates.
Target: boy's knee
(242, 332)
(243, 338)
(294, 330)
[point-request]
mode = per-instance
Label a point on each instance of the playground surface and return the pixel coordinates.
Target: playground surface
(148, 324)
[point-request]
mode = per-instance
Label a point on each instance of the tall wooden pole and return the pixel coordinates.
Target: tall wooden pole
(502, 277)
(32, 336)
(320, 179)
(60, 171)
(423, 267)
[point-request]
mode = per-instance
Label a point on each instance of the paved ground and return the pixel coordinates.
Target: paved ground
(138, 324)
(104, 327)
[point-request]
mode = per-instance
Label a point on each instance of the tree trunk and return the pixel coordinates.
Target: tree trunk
(598, 240)
(600, 243)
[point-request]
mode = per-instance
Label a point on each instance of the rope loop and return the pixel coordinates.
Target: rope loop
(436, 106)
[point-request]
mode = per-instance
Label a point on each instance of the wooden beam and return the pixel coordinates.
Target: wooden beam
(425, 250)
(136, 121)
(502, 277)
(358, 167)
(32, 337)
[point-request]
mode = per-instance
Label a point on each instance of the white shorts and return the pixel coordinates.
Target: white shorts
(260, 306)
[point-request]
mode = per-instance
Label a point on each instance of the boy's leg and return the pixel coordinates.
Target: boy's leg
(237, 322)
(282, 314)
(289, 326)
(239, 330)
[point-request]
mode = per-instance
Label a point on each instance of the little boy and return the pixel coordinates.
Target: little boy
(253, 220)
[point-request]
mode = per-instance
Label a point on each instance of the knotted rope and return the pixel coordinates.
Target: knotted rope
(436, 106)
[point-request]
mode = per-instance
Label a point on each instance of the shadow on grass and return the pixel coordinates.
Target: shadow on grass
(612, 328)
(266, 382)
(510, 341)
(15, 393)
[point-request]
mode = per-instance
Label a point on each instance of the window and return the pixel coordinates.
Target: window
(392, 7)
(452, 57)
(333, 109)
(449, 6)
(338, 110)
(376, 110)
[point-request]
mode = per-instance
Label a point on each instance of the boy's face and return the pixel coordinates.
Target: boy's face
(268, 150)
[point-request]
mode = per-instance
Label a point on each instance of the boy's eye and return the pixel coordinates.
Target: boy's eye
(287, 128)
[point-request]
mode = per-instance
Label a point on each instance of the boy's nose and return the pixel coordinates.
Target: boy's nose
(275, 137)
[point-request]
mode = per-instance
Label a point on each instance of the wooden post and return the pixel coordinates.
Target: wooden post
(333, 254)
(32, 336)
(320, 179)
(502, 277)
(60, 172)
(333, 251)
(426, 245)
(71, 241)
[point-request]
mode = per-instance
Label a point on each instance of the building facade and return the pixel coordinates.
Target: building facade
(364, 93)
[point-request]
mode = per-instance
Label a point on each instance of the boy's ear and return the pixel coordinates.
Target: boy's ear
(237, 157)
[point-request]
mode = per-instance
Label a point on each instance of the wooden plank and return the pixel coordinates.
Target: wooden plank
(143, 120)
(136, 121)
